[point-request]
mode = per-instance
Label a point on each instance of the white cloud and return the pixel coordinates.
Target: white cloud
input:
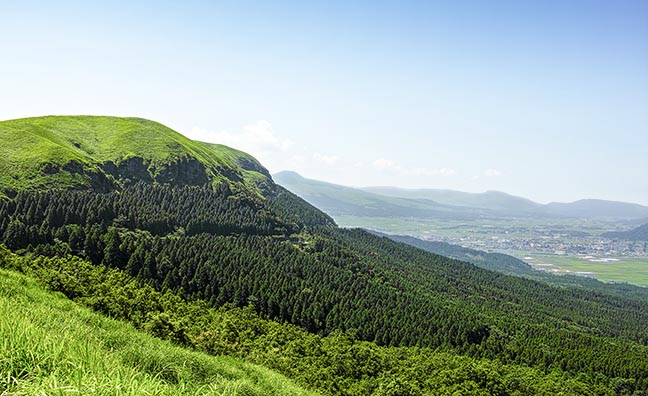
(383, 163)
(297, 160)
(273, 151)
(329, 160)
(257, 139)
(492, 172)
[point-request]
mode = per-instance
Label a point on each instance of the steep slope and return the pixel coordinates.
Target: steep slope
(103, 152)
(494, 200)
(325, 279)
(594, 209)
(340, 200)
(221, 245)
(50, 345)
(636, 234)
(335, 364)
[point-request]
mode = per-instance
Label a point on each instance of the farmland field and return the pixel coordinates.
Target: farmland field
(621, 269)
(555, 245)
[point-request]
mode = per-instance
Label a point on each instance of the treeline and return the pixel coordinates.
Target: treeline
(160, 210)
(337, 364)
(283, 258)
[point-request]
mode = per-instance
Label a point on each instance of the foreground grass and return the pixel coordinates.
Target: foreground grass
(51, 346)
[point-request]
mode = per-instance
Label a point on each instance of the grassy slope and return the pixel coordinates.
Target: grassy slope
(49, 345)
(29, 143)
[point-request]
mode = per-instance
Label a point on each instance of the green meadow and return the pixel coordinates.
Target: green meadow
(622, 269)
(51, 346)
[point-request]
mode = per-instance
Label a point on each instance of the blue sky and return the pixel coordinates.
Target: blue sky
(545, 99)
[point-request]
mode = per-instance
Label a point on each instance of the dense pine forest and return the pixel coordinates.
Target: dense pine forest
(244, 267)
(213, 246)
(337, 364)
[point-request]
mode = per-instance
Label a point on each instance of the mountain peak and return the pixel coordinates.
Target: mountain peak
(288, 174)
(100, 152)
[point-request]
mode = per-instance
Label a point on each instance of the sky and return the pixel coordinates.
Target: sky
(543, 99)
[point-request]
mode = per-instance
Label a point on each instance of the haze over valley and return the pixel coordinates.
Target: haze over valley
(586, 237)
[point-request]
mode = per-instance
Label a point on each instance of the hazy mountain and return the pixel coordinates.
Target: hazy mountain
(636, 234)
(340, 200)
(429, 203)
(494, 200)
(594, 208)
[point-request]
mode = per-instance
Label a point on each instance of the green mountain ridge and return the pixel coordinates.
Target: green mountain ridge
(101, 153)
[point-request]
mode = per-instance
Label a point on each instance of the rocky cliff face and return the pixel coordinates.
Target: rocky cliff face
(184, 171)
(251, 165)
(131, 169)
(187, 171)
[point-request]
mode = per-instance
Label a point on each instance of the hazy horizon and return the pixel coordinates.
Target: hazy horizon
(433, 188)
(541, 100)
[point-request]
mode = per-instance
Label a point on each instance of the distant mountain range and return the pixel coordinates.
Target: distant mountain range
(636, 234)
(340, 200)
(493, 200)
(595, 208)
(433, 203)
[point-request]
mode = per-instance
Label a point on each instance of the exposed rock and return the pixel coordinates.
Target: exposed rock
(251, 165)
(187, 171)
(131, 169)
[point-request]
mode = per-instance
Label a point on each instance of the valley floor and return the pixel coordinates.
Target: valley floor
(560, 246)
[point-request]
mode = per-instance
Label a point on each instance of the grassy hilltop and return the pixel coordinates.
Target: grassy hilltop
(99, 151)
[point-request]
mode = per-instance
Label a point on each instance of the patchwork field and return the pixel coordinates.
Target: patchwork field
(621, 269)
(557, 245)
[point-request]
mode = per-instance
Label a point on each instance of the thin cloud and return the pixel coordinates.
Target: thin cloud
(492, 172)
(329, 160)
(274, 152)
(258, 139)
(383, 164)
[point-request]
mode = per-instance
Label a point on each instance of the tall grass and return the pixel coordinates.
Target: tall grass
(51, 346)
